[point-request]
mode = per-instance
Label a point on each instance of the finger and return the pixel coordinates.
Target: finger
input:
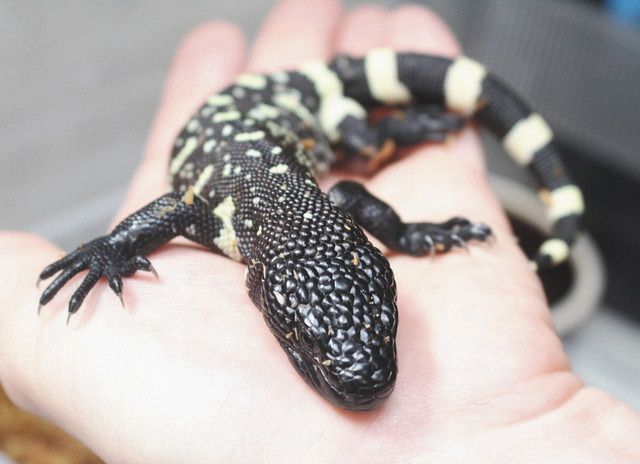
(361, 30)
(418, 29)
(295, 31)
(23, 256)
(209, 57)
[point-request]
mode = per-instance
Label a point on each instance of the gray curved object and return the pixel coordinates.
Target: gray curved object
(585, 294)
(4, 459)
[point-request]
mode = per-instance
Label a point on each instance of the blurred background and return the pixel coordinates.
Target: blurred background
(79, 83)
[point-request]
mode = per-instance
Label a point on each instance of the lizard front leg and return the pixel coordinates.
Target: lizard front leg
(418, 238)
(122, 252)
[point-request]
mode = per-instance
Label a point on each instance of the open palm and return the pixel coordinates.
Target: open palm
(190, 373)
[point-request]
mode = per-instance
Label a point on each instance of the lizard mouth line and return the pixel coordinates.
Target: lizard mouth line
(319, 377)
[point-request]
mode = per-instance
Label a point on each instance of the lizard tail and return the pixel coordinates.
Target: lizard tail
(464, 86)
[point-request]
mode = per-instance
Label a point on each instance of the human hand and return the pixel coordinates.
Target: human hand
(190, 373)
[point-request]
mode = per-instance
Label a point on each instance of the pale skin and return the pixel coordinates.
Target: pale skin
(190, 373)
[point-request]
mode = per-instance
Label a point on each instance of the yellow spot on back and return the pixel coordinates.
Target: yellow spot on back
(208, 145)
(249, 136)
(226, 116)
(219, 100)
(203, 179)
(263, 111)
(252, 81)
(279, 169)
(186, 151)
(227, 240)
(188, 196)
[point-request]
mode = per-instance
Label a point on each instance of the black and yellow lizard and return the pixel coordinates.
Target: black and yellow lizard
(243, 184)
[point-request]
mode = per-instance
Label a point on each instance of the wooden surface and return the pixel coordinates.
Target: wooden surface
(27, 439)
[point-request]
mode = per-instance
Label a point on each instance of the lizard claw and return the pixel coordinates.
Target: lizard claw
(153, 271)
(431, 244)
(423, 238)
(458, 241)
(143, 264)
(101, 257)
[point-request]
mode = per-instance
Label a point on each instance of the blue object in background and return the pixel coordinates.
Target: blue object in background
(627, 10)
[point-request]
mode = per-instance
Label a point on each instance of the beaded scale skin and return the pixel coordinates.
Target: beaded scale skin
(243, 183)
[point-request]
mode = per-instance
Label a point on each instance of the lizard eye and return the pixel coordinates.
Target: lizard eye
(306, 340)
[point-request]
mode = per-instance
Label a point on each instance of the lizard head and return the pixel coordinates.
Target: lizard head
(335, 315)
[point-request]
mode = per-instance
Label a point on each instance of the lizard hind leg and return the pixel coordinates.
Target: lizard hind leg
(402, 127)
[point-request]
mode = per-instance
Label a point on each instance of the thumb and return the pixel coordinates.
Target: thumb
(22, 258)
